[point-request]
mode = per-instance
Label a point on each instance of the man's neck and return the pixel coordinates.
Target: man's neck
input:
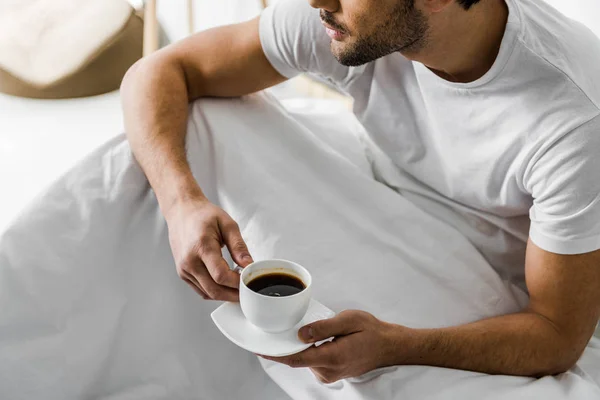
(464, 44)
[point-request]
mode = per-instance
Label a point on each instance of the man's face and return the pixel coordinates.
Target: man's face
(364, 30)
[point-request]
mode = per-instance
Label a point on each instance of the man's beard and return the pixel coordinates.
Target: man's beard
(406, 30)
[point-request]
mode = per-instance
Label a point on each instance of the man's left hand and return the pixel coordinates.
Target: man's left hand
(361, 344)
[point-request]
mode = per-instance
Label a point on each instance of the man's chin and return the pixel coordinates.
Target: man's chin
(345, 57)
(337, 47)
(341, 53)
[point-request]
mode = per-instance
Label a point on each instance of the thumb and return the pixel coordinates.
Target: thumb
(345, 323)
(235, 244)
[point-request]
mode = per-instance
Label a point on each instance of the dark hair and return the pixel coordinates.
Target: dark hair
(467, 3)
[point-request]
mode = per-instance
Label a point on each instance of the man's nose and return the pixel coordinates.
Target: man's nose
(327, 5)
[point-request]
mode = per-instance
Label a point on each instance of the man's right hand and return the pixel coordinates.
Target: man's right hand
(198, 230)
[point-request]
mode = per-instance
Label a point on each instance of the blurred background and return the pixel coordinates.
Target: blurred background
(62, 103)
(212, 13)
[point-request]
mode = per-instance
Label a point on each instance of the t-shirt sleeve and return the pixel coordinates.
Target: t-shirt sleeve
(564, 180)
(294, 41)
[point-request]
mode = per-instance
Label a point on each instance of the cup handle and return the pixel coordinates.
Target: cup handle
(237, 268)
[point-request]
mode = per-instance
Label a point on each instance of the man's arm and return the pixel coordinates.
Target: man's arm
(223, 62)
(548, 337)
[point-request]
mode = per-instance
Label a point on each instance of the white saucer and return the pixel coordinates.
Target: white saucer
(231, 322)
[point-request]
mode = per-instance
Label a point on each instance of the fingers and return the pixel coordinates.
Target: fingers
(345, 323)
(354, 350)
(197, 234)
(194, 271)
(235, 243)
(210, 253)
(325, 375)
(322, 356)
(196, 287)
(214, 290)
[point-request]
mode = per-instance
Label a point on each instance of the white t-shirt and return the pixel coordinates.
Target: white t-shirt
(512, 155)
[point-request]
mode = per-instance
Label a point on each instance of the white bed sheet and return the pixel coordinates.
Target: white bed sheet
(97, 311)
(41, 139)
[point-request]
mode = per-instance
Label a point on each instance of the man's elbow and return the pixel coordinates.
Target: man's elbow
(145, 67)
(558, 346)
(560, 360)
(161, 69)
(129, 76)
(556, 368)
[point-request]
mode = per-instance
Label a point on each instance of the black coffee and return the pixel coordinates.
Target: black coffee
(276, 285)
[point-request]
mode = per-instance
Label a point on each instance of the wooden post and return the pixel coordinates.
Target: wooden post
(150, 27)
(190, 15)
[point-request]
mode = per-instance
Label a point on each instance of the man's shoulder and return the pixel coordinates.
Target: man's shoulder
(561, 44)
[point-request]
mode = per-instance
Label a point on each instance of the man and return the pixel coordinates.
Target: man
(492, 105)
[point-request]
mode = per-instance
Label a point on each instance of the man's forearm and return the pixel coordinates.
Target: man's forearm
(517, 344)
(155, 105)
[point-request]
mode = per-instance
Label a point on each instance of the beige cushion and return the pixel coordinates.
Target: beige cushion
(66, 48)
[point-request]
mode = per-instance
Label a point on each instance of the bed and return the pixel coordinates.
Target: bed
(96, 310)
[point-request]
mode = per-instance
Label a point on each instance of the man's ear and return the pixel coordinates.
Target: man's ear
(435, 6)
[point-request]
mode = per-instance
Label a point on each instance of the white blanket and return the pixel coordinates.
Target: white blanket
(93, 308)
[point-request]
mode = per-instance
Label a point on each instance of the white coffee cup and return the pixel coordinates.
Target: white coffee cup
(270, 313)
